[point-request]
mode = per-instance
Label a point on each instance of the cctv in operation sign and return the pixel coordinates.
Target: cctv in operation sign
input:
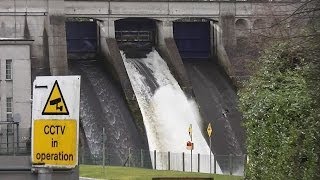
(55, 121)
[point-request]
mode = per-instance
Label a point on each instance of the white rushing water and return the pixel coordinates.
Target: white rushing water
(167, 113)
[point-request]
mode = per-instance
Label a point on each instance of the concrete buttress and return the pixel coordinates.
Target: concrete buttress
(57, 45)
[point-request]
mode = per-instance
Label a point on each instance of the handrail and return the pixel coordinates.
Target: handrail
(231, 1)
(15, 169)
(134, 36)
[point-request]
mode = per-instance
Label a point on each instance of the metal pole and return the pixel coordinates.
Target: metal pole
(169, 160)
(215, 164)
(82, 156)
(210, 153)
(191, 162)
(141, 156)
(183, 161)
(18, 146)
(104, 152)
(7, 140)
(44, 173)
(198, 162)
(129, 157)
(230, 163)
(155, 159)
(245, 164)
(14, 149)
(191, 148)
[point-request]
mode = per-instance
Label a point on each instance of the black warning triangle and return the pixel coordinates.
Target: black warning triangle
(55, 104)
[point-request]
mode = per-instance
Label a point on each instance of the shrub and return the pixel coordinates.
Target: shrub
(280, 106)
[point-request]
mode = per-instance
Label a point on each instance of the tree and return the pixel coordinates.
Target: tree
(281, 104)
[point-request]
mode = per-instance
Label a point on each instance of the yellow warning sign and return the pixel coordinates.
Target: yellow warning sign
(55, 104)
(209, 130)
(55, 142)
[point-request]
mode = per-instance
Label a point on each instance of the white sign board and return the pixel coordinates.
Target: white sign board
(55, 121)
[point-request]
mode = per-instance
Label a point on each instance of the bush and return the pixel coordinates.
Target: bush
(280, 106)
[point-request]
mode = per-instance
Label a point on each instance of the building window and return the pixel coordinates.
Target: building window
(9, 69)
(9, 109)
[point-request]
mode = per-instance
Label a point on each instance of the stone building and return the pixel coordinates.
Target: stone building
(15, 93)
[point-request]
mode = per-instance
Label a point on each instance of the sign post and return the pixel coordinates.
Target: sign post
(190, 134)
(209, 131)
(55, 122)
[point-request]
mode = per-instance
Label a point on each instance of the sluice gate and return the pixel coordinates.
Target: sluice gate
(192, 39)
(82, 38)
(135, 36)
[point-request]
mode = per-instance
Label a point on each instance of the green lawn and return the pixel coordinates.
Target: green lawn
(116, 172)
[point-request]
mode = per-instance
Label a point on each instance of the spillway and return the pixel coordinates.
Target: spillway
(218, 102)
(102, 106)
(167, 112)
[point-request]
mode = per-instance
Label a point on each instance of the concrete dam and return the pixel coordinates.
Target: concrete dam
(149, 69)
(172, 85)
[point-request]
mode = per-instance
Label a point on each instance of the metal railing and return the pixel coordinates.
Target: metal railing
(134, 36)
(14, 140)
(252, 1)
(178, 161)
(220, 164)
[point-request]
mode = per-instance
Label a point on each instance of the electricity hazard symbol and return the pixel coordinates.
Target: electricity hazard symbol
(55, 104)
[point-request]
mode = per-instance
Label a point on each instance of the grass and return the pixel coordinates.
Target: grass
(126, 173)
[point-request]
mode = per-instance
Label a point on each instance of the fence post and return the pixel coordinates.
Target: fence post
(103, 148)
(198, 162)
(183, 161)
(215, 164)
(14, 149)
(230, 163)
(141, 156)
(245, 164)
(104, 151)
(7, 140)
(191, 161)
(169, 160)
(155, 159)
(18, 137)
(129, 157)
(82, 156)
